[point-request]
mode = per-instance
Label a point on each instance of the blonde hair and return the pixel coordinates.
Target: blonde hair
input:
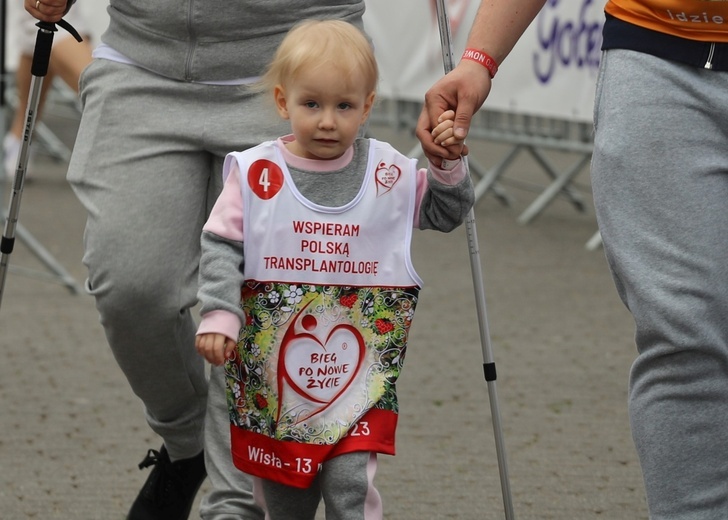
(312, 43)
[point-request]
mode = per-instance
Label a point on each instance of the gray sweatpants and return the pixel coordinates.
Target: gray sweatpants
(660, 181)
(147, 167)
(345, 484)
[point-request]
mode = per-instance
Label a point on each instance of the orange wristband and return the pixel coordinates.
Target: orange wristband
(482, 58)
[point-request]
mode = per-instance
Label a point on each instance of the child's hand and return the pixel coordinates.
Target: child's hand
(215, 348)
(443, 133)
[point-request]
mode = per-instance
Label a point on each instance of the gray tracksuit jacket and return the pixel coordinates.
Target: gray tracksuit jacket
(212, 40)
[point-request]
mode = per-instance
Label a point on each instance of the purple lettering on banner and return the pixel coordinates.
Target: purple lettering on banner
(567, 43)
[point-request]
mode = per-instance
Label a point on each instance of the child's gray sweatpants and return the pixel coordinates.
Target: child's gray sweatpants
(345, 485)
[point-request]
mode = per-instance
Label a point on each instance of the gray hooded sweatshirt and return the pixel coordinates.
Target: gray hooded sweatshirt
(212, 40)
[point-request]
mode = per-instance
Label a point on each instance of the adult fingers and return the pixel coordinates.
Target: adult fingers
(433, 151)
(46, 10)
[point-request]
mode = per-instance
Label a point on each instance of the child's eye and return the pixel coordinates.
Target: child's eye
(311, 104)
(344, 106)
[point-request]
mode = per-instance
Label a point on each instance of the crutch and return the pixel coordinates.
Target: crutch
(488, 361)
(39, 69)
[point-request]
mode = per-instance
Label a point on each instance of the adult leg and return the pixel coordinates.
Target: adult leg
(137, 170)
(660, 181)
(147, 167)
(23, 78)
(13, 139)
(68, 59)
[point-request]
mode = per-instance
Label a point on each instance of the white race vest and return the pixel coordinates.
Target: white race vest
(289, 238)
(329, 297)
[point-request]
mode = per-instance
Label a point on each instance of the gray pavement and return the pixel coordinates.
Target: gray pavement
(72, 432)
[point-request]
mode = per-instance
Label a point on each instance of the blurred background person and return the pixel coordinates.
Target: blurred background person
(68, 59)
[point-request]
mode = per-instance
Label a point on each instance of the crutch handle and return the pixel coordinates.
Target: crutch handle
(44, 43)
(42, 52)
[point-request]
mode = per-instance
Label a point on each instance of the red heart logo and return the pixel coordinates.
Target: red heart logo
(319, 371)
(386, 177)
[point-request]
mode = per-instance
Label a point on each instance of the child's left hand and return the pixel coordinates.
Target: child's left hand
(443, 133)
(215, 348)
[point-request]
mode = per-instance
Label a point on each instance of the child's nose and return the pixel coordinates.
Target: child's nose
(327, 120)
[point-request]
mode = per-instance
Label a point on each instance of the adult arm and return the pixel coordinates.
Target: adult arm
(497, 26)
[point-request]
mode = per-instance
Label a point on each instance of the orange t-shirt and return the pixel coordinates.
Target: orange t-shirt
(703, 20)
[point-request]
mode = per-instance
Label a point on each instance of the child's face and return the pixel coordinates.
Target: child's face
(325, 111)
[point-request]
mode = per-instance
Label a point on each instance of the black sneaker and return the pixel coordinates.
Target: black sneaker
(170, 489)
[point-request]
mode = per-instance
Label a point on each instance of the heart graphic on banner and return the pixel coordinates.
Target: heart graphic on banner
(320, 371)
(386, 177)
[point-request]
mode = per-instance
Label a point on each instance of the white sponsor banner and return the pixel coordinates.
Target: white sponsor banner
(551, 72)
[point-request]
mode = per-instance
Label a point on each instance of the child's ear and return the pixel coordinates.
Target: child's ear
(279, 94)
(368, 104)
